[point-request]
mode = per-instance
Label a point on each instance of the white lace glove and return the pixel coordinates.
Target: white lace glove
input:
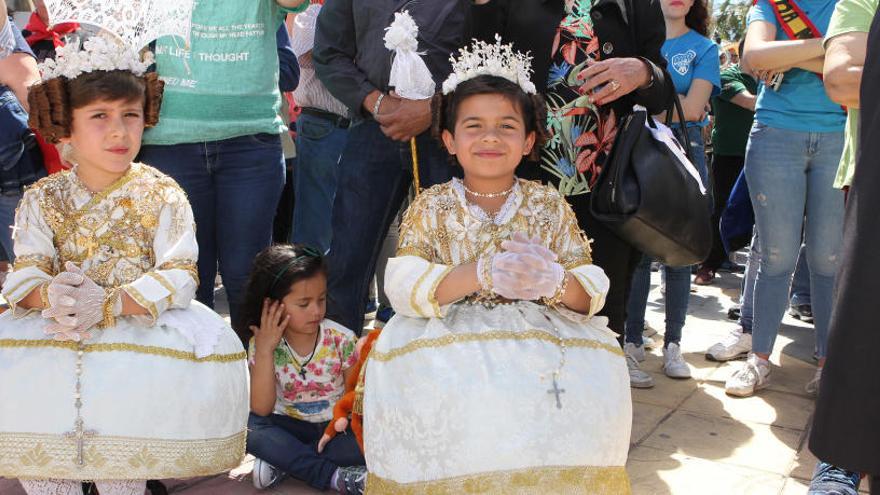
(537, 273)
(60, 294)
(86, 306)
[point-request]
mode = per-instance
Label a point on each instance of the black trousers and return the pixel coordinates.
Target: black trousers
(725, 170)
(614, 255)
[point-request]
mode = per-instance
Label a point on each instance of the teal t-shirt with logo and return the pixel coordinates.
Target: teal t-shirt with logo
(226, 84)
(800, 103)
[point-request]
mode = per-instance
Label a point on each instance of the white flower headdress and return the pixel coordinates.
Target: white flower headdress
(96, 54)
(484, 59)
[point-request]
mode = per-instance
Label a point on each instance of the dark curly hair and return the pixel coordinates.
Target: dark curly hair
(52, 102)
(697, 17)
(445, 107)
(275, 269)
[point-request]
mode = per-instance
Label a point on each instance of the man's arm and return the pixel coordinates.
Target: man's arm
(334, 55)
(745, 99)
(844, 61)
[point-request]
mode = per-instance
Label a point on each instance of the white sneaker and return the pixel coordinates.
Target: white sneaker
(674, 364)
(637, 377)
(734, 346)
(649, 331)
(265, 474)
(636, 351)
(812, 386)
(753, 376)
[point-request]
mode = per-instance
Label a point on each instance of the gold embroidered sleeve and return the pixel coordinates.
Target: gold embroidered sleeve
(415, 238)
(570, 242)
(34, 250)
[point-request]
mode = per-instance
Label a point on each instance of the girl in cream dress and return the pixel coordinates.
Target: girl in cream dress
(109, 371)
(494, 376)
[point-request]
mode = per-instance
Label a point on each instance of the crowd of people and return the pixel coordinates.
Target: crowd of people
(274, 155)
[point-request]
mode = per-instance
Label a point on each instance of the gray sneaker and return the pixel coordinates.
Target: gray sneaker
(735, 346)
(636, 351)
(265, 474)
(637, 377)
(351, 480)
(812, 386)
(674, 364)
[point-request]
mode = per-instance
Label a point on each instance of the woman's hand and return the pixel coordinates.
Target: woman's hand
(273, 321)
(617, 77)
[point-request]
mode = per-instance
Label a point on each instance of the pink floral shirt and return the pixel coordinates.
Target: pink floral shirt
(312, 398)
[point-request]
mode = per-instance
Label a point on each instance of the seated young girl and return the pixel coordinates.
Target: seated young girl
(494, 376)
(299, 364)
(110, 372)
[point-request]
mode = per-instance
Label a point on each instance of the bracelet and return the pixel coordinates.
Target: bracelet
(109, 308)
(650, 67)
(484, 274)
(44, 295)
(377, 104)
(556, 300)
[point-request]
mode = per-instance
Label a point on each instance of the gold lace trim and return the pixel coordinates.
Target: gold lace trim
(39, 261)
(432, 294)
(143, 302)
(166, 285)
(533, 334)
(413, 296)
(123, 347)
(185, 264)
(412, 251)
(590, 480)
(31, 455)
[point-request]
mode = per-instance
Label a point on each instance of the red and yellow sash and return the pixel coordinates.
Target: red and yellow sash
(794, 20)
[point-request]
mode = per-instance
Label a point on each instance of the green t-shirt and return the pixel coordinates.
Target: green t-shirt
(732, 122)
(850, 16)
(226, 85)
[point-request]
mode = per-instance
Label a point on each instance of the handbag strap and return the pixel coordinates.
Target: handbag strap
(676, 106)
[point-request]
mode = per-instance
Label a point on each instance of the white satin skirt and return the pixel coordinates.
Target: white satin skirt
(162, 401)
(467, 404)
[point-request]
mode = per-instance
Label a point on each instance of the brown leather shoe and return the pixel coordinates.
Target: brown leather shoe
(704, 276)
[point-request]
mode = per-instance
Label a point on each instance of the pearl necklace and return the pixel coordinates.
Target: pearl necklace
(488, 195)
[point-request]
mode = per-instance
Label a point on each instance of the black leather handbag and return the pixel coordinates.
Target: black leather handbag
(650, 198)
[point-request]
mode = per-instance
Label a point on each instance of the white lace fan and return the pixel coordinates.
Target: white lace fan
(135, 22)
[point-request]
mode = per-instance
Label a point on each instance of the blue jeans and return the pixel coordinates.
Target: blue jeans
(291, 445)
(678, 279)
(374, 177)
(832, 480)
(790, 177)
(800, 284)
(8, 204)
(319, 144)
(233, 186)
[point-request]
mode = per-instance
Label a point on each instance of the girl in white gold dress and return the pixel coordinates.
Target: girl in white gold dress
(108, 370)
(494, 376)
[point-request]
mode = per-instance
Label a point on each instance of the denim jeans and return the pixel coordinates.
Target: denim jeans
(790, 175)
(800, 284)
(832, 480)
(291, 445)
(747, 297)
(374, 178)
(319, 145)
(8, 204)
(678, 279)
(233, 186)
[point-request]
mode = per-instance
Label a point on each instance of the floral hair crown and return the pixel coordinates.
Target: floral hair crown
(96, 54)
(484, 59)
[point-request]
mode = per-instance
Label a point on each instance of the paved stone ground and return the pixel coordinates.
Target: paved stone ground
(688, 437)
